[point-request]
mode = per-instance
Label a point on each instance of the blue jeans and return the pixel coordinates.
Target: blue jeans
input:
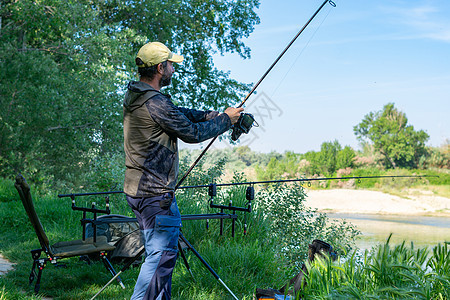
(160, 229)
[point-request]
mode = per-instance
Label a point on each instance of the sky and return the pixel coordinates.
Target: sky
(351, 60)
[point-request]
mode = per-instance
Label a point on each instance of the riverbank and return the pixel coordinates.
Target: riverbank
(414, 202)
(418, 216)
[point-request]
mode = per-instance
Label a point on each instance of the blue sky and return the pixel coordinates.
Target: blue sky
(351, 60)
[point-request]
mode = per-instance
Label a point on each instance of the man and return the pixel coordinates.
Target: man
(152, 125)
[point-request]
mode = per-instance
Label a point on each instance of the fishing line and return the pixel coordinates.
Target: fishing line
(303, 50)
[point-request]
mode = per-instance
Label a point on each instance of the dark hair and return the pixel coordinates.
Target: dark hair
(149, 72)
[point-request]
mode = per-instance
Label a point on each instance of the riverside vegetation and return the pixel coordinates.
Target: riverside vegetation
(280, 228)
(80, 53)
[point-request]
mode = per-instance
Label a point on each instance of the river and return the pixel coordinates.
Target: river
(421, 230)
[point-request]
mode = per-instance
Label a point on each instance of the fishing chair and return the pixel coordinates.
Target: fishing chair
(60, 250)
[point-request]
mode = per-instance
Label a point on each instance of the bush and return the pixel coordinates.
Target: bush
(293, 225)
(438, 157)
(7, 191)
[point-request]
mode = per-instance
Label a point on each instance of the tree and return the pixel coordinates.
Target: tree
(388, 131)
(344, 158)
(285, 167)
(58, 89)
(196, 29)
(329, 159)
(65, 64)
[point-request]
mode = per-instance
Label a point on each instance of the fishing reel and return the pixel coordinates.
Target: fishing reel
(243, 125)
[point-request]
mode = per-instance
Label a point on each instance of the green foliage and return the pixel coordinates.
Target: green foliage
(285, 167)
(436, 157)
(279, 230)
(7, 191)
(345, 158)
(106, 173)
(331, 158)
(294, 226)
(436, 178)
(236, 158)
(59, 89)
(386, 272)
(274, 166)
(388, 131)
(327, 157)
(14, 295)
(366, 172)
(65, 64)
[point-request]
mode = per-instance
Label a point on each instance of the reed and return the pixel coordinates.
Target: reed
(385, 272)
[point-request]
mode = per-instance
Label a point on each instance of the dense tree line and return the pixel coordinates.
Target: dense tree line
(331, 158)
(64, 66)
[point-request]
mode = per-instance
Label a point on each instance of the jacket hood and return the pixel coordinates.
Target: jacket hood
(135, 90)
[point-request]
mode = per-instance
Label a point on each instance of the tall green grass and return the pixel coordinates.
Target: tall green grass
(385, 272)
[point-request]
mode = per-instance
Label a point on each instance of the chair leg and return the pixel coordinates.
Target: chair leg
(110, 268)
(37, 286)
(35, 254)
(33, 272)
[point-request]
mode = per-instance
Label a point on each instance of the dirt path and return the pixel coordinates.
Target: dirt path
(5, 265)
(374, 202)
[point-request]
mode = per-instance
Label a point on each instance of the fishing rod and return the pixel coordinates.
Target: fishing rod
(305, 180)
(263, 182)
(246, 120)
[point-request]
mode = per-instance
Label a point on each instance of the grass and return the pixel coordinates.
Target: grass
(437, 190)
(245, 262)
(385, 272)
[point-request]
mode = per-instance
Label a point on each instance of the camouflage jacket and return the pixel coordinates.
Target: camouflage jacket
(152, 124)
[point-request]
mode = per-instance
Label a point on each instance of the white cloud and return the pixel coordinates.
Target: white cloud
(426, 20)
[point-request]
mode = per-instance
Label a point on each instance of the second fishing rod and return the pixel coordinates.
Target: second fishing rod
(308, 180)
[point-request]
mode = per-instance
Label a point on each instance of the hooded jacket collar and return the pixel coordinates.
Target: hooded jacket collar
(134, 96)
